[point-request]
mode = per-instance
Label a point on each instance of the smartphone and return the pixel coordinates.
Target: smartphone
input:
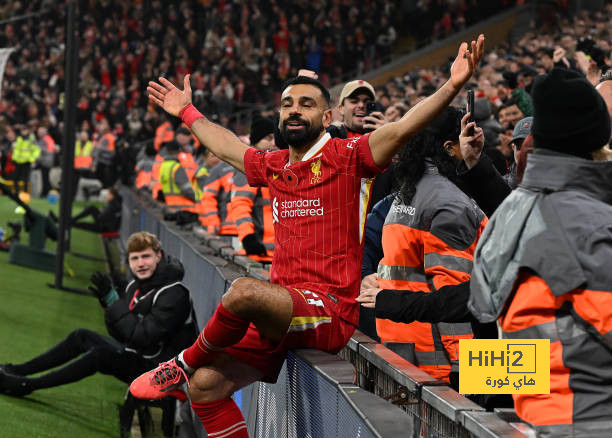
(371, 107)
(470, 101)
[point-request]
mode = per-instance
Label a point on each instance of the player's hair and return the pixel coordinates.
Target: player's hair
(142, 240)
(308, 81)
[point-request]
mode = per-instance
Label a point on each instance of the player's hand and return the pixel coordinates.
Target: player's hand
(466, 62)
(167, 96)
(374, 121)
(471, 145)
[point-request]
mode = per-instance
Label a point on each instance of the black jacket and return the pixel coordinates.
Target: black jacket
(484, 184)
(160, 323)
(447, 304)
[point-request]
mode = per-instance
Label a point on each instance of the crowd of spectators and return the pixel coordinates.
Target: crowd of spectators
(239, 52)
(503, 82)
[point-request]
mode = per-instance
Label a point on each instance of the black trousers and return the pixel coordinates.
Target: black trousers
(106, 174)
(46, 183)
(22, 177)
(92, 211)
(82, 354)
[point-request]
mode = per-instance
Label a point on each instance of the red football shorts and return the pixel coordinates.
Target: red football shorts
(315, 323)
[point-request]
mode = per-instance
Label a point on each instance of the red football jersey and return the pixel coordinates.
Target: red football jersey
(319, 208)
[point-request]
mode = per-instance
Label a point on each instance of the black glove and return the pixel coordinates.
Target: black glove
(103, 289)
(511, 79)
(253, 246)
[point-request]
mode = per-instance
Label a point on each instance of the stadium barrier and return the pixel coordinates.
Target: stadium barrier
(367, 390)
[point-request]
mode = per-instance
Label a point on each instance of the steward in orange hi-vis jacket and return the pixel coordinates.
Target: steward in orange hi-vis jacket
(251, 205)
(215, 208)
(428, 240)
(176, 186)
(542, 267)
(253, 215)
(163, 134)
(144, 169)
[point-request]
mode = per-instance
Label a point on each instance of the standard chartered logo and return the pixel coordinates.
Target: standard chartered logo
(298, 208)
(274, 210)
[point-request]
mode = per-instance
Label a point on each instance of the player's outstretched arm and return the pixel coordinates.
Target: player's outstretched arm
(386, 140)
(220, 141)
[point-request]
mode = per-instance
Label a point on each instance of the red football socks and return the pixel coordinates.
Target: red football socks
(223, 330)
(221, 418)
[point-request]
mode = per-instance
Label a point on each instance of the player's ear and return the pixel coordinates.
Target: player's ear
(327, 118)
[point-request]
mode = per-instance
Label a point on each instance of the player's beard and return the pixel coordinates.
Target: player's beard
(297, 139)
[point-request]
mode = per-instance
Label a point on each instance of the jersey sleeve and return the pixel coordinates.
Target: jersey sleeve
(357, 156)
(255, 167)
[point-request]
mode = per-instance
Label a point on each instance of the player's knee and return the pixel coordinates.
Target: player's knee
(207, 384)
(240, 295)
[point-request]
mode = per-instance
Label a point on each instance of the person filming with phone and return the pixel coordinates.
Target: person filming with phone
(359, 110)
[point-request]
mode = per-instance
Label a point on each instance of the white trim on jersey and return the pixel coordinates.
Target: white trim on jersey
(315, 149)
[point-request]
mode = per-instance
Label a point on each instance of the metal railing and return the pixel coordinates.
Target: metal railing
(364, 383)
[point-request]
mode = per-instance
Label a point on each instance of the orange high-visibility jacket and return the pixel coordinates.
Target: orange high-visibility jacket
(83, 158)
(104, 150)
(253, 212)
(543, 270)
(427, 245)
(215, 208)
(144, 173)
(163, 133)
(188, 163)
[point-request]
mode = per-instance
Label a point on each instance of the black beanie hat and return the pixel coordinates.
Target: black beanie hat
(260, 127)
(570, 116)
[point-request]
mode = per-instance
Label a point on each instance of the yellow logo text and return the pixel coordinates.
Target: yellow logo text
(504, 366)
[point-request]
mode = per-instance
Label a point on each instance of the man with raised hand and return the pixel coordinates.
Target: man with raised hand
(318, 215)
